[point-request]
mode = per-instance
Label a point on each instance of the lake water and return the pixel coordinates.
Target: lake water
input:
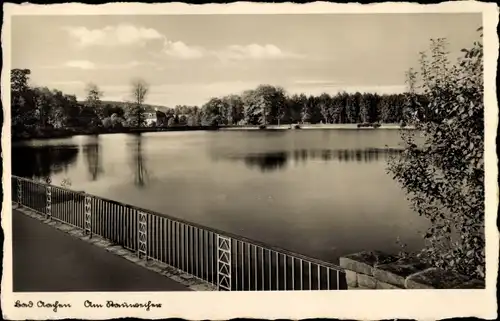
(322, 193)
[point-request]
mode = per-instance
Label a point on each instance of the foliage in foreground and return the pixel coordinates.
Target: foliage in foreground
(444, 175)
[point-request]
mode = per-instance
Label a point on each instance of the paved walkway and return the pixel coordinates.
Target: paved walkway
(46, 259)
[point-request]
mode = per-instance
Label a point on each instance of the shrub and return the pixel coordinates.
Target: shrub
(444, 175)
(262, 127)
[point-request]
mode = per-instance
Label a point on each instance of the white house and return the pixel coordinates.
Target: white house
(150, 118)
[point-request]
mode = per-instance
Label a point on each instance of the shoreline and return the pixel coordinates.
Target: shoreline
(66, 133)
(317, 126)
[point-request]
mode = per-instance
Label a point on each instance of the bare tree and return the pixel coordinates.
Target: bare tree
(93, 99)
(139, 91)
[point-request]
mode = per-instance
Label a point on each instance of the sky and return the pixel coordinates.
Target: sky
(187, 59)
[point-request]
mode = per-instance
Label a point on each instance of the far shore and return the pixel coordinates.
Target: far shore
(317, 126)
(69, 132)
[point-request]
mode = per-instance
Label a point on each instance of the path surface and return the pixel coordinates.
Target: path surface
(46, 259)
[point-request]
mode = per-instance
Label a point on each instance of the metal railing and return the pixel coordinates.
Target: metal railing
(230, 262)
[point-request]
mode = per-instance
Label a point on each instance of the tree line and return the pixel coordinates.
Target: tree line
(42, 109)
(271, 105)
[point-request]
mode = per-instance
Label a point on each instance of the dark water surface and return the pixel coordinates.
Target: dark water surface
(323, 193)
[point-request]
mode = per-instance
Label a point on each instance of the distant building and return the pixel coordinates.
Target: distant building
(149, 118)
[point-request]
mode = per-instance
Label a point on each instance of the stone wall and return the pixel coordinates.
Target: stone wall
(376, 270)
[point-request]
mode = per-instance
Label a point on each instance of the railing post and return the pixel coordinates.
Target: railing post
(88, 215)
(19, 192)
(142, 245)
(223, 263)
(48, 194)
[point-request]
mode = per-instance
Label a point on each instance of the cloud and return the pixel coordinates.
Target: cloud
(67, 83)
(123, 34)
(180, 50)
(80, 64)
(127, 65)
(88, 65)
(254, 51)
(127, 34)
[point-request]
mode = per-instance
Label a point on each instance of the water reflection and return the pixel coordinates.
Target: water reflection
(92, 154)
(278, 160)
(267, 162)
(347, 155)
(138, 163)
(39, 162)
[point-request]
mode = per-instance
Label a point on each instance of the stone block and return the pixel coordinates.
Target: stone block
(434, 278)
(202, 287)
(118, 250)
(132, 258)
(367, 281)
(177, 279)
(351, 278)
(142, 262)
(363, 262)
(187, 277)
(75, 233)
(122, 252)
(355, 266)
(386, 286)
(395, 273)
(103, 243)
(66, 228)
(155, 266)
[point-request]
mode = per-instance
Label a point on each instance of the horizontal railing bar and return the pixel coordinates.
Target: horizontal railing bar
(191, 224)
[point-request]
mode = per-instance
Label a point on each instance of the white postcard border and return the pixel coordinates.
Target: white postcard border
(359, 304)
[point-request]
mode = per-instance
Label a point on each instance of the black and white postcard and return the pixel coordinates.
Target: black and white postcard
(250, 160)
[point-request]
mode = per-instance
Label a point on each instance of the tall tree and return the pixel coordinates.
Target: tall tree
(264, 105)
(278, 103)
(234, 109)
(305, 112)
(93, 99)
(373, 111)
(44, 104)
(140, 90)
(22, 102)
(212, 112)
(324, 107)
(351, 109)
(364, 108)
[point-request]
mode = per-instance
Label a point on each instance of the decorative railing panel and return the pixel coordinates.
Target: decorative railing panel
(228, 261)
